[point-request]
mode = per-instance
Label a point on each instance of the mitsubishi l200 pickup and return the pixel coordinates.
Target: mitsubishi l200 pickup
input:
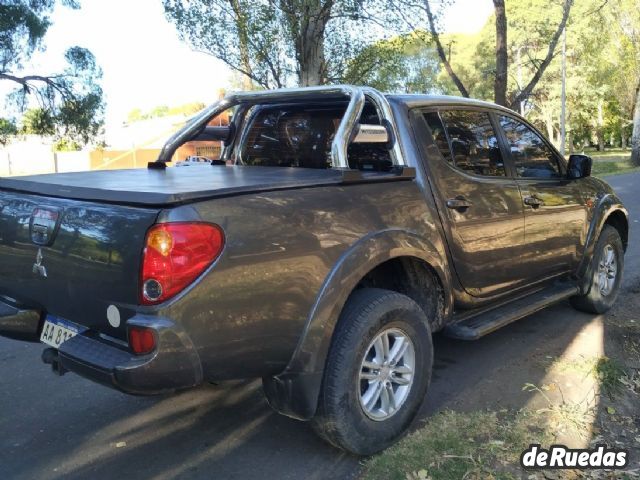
(339, 229)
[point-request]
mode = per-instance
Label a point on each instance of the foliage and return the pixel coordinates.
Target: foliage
(64, 145)
(404, 64)
(69, 103)
(7, 129)
(278, 43)
(186, 109)
(38, 121)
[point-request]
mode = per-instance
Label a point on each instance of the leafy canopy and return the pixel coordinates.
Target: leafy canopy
(67, 104)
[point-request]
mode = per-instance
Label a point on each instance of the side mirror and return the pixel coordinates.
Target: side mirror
(579, 166)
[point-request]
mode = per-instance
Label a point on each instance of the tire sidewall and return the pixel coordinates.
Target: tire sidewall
(370, 435)
(601, 303)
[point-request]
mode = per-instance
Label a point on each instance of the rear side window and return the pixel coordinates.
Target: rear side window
(438, 134)
(472, 142)
(297, 135)
(291, 136)
(532, 157)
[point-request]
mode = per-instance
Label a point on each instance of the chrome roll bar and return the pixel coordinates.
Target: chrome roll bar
(344, 134)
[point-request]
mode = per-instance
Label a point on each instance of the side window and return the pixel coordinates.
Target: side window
(438, 134)
(474, 144)
(531, 155)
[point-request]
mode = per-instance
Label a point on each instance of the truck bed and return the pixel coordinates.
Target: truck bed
(176, 185)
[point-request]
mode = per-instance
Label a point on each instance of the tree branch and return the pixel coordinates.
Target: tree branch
(526, 92)
(27, 80)
(441, 53)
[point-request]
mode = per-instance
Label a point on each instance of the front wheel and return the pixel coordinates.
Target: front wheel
(607, 265)
(377, 372)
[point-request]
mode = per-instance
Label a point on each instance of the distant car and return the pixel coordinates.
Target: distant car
(338, 231)
(193, 159)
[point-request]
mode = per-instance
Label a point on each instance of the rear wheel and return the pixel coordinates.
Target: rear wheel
(607, 266)
(377, 372)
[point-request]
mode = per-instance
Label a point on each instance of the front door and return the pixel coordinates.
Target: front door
(554, 208)
(477, 197)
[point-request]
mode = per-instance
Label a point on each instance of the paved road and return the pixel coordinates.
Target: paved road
(69, 428)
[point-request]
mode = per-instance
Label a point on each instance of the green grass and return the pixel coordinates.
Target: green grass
(488, 444)
(611, 162)
(456, 445)
(610, 374)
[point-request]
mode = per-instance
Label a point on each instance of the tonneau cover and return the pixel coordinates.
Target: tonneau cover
(174, 185)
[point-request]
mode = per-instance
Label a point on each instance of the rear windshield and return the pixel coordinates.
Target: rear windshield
(301, 136)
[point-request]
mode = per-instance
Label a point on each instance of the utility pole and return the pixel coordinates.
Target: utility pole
(563, 100)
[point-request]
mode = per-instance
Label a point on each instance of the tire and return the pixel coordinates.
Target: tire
(342, 417)
(599, 299)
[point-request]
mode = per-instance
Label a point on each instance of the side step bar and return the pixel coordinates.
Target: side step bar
(489, 321)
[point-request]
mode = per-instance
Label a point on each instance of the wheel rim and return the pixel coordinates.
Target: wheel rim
(386, 374)
(607, 270)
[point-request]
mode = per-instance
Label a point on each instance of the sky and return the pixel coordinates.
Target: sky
(144, 62)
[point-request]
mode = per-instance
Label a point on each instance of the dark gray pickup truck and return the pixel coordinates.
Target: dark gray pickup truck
(338, 230)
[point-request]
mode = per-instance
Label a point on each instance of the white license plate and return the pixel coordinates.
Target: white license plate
(56, 331)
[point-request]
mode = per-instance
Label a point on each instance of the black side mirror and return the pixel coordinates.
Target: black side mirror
(579, 166)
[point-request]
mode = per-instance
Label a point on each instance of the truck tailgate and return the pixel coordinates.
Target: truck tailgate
(71, 258)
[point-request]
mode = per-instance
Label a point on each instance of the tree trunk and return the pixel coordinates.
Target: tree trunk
(307, 23)
(635, 137)
(548, 122)
(570, 141)
(500, 82)
(623, 140)
(311, 53)
(600, 126)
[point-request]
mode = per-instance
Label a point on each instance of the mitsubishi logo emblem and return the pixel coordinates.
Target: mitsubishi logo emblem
(38, 268)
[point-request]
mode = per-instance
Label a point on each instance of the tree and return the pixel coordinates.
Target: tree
(500, 82)
(277, 43)
(627, 15)
(402, 64)
(7, 129)
(524, 94)
(70, 100)
(38, 121)
(410, 10)
(635, 139)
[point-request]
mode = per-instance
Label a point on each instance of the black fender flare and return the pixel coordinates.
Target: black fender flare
(295, 391)
(604, 206)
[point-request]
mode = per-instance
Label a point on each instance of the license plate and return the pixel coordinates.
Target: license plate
(56, 331)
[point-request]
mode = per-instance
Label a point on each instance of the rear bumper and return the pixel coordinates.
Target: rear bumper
(173, 365)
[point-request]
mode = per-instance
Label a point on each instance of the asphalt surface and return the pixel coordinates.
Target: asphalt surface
(68, 427)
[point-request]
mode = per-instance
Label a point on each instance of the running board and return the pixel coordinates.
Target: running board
(489, 321)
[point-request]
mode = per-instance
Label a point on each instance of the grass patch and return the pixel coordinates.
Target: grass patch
(611, 162)
(610, 374)
(603, 168)
(456, 445)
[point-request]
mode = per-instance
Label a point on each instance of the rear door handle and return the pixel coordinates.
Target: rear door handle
(459, 203)
(533, 201)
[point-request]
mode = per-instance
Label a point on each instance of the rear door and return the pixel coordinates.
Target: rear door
(554, 209)
(478, 199)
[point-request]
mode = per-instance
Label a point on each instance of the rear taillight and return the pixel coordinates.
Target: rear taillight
(141, 340)
(175, 254)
